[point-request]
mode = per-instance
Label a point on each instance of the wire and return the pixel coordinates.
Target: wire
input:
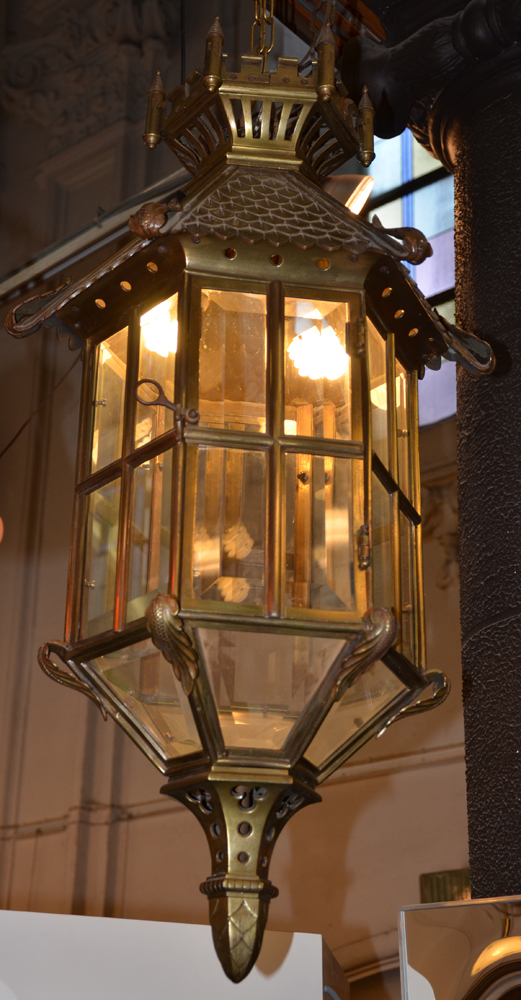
(38, 408)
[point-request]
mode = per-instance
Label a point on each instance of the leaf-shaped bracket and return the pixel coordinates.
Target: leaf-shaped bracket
(71, 680)
(441, 685)
(169, 635)
(381, 632)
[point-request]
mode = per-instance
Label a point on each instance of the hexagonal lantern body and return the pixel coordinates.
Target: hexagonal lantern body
(245, 594)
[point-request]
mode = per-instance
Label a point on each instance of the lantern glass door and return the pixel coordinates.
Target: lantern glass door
(157, 355)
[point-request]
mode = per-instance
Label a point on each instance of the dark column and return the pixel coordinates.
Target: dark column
(478, 126)
(458, 83)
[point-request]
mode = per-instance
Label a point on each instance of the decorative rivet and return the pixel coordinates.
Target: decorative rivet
(399, 313)
(386, 292)
(162, 248)
(233, 76)
(230, 253)
(413, 332)
(324, 264)
(151, 266)
(286, 79)
(276, 259)
(100, 303)
(125, 286)
(196, 239)
(304, 83)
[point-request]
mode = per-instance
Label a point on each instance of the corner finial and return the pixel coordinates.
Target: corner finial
(155, 112)
(213, 57)
(366, 129)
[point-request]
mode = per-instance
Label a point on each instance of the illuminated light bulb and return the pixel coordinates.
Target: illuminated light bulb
(159, 330)
(318, 354)
(495, 952)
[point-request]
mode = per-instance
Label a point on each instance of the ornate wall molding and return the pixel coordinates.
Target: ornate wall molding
(90, 69)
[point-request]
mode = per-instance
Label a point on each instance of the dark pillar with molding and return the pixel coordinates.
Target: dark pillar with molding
(457, 81)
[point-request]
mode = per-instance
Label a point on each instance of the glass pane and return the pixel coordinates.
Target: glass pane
(382, 555)
(404, 479)
(229, 526)
(422, 161)
(232, 361)
(145, 682)
(434, 207)
(318, 370)
(262, 682)
(364, 700)
(109, 400)
(100, 559)
(386, 167)
(157, 351)
(390, 215)
(377, 378)
(407, 579)
(149, 559)
(319, 533)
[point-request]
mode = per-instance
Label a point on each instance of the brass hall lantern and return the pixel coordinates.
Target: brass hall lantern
(245, 586)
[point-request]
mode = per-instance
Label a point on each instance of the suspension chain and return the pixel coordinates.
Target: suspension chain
(263, 27)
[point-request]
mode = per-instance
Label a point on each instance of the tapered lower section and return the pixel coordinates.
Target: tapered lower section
(242, 813)
(238, 915)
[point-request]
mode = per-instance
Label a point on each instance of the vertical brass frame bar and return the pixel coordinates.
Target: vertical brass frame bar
(414, 464)
(75, 573)
(275, 428)
(361, 430)
(392, 433)
(127, 472)
(183, 391)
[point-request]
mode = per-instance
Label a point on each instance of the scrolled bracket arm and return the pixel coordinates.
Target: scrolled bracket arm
(71, 679)
(403, 80)
(171, 638)
(381, 632)
(441, 686)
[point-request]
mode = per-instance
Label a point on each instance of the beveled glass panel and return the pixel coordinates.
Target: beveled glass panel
(319, 533)
(318, 369)
(262, 682)
(149, 557)
(378, 393)
(109, 400)
(407, 582)
(402, 390)
(374, 691)
(101, 549)
(157, 354)
(382, 553)
(232, 361)
(229, 526)
(145, 683)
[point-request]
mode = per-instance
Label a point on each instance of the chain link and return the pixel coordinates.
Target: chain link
(263, 26)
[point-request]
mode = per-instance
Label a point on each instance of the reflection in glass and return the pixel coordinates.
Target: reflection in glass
(404, 479)
(262, 682)
(149, 557)
(229, 526)
(317, 381)
(407, 580)
(109, 400)
(232, 361)
(378, 386)
(100, 559)
(157, 353)
(370, 694)
(145, 682)
(382, 554)
(319, 533)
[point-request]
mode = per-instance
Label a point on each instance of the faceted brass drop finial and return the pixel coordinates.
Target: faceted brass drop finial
(155, 112)
(242, 815)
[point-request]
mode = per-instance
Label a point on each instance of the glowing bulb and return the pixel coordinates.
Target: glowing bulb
(318, 354)
(160, 330)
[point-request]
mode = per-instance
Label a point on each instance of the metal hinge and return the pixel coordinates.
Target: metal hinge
(364, 547)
